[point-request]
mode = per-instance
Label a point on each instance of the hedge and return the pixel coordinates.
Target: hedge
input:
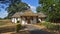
(51, 26)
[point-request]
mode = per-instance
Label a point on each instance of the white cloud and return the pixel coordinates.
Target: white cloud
(33, 8)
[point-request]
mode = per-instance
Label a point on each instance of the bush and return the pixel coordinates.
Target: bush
(57, 27)
(18, 27)
(45, 23)
(18, 21)
(51, 26)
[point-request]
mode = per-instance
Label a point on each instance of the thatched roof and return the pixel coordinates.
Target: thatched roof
(28, 13)
(17, 14)
(41, 15)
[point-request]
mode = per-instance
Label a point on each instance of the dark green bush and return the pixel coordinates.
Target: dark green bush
(18, 21)
(51, 26)
(57, 27)
(18, 27)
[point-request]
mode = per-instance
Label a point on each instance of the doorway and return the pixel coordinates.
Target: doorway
(28, 21)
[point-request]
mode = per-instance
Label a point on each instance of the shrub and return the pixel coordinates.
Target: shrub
(45, 23)
(57, 27)
(18, 27)
(50, 26)
(18, 21)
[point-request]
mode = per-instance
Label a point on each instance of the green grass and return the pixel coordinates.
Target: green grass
(4, 22)
(1, 23)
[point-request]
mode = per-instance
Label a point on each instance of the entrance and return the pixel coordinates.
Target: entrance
(28, 21)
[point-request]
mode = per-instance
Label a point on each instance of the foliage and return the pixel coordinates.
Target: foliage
(1, 18)
(18, 21)
(16, 7)
(51, 8)
(44, 23)
(57, 27)
(1, 23)
(18, 27)
(50, 26)
(38, 9)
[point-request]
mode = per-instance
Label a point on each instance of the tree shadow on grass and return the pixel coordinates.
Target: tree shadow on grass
(39, 32)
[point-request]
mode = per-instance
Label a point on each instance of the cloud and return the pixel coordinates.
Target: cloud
(33, 8)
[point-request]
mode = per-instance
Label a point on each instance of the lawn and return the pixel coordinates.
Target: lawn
(4, 22)
(1, 23)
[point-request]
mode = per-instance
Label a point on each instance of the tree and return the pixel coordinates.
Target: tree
(51, 8)
(15, 6)
(38, 9)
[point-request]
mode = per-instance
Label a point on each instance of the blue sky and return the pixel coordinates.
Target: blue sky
(32, 3)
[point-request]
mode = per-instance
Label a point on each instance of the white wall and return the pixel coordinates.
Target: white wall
(39, 19)
(23, 21)
(14, 20)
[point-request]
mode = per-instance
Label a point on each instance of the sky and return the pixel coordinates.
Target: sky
(32, 3)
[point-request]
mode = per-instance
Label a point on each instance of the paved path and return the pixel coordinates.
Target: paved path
(35, 30)
(31, 27)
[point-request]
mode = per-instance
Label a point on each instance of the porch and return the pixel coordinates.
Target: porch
(29, 19)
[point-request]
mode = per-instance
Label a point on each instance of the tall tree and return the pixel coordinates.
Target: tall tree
(38, 9)
(14, 6)
(17, 7)
(51, 8)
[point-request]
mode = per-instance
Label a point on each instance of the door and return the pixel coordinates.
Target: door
(28, 21)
